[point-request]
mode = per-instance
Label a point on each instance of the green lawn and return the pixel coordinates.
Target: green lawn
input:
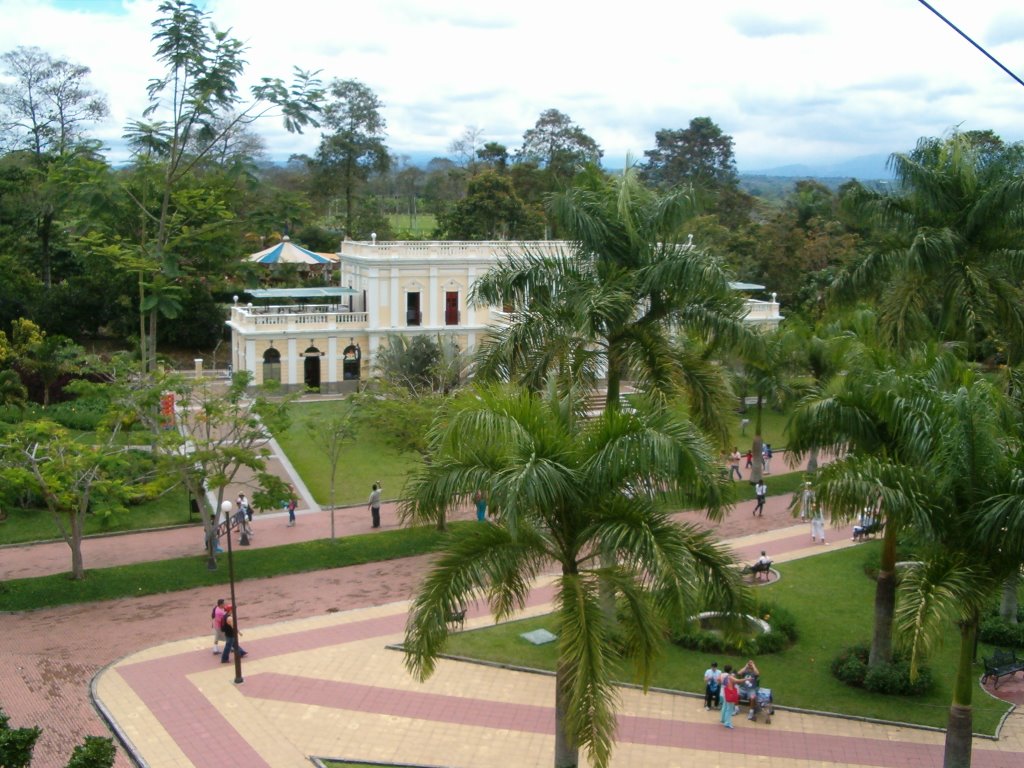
(832, 601)
(406, 227)
(364, 460)
(23, 525)
(164, 576)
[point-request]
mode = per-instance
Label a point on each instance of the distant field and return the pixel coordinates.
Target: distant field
(418, 227)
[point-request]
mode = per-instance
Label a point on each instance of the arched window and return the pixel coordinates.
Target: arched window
(272, 365)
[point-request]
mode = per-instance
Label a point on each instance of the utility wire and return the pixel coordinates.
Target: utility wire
(969, 40)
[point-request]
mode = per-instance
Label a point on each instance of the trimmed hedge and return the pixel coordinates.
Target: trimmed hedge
(783, 632)
(851, 667)
(998, 632)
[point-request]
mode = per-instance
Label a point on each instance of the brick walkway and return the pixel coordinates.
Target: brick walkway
(321, 681)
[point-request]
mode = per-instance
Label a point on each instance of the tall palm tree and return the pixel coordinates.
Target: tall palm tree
(949, 259)
(625, 298)
(568, 490)
(869, 418)
(971, 533)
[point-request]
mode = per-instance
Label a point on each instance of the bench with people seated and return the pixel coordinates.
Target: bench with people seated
(1002, 663)
(868, 529)
(761, 569)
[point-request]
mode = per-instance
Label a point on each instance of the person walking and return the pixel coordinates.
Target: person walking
(481, 506)
(731, 694)
(734, 464)
(231, 635)
(818, 525)
(712, 686)
(292, 504)
(806, 501)
(374, 505)
(761, 492)
(216, 622)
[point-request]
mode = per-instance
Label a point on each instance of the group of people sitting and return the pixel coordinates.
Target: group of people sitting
(722, 689)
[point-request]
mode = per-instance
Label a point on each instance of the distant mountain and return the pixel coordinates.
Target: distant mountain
(865, 168)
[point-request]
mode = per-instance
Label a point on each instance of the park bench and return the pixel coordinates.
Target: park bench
(756, 569)
(872, 529)
(1002, 663)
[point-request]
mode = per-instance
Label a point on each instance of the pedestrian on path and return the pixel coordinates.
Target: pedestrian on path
(818, 525)
(292, 504)
(216, 622)
(731, 694)
(481, 506)
(374, 504)
(231, 635)
(734, 464)
(761, 492)
(806, 501)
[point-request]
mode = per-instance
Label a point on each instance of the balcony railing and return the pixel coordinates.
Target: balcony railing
(297, 317)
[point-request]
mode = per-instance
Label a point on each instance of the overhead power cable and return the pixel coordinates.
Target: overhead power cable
(966, 37)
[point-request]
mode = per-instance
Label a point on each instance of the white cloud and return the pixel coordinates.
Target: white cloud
(811, 82)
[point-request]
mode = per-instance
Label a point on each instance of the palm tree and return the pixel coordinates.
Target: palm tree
(869, 418)
(568, 490)
(625, 298)
(949, 261)
(971, 533)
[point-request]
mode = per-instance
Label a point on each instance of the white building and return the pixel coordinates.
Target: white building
(329, 342)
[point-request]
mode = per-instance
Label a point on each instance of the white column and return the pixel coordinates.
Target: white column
(248, 362)
(397, 307)
(293, 363)
(434, 297)
(332, 360)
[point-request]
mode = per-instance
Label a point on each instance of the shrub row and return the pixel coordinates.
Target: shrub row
(999, 632)
(783, 632)
(851, 667)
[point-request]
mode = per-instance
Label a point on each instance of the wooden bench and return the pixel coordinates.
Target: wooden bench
(456, 619)
(872, 529)
(756, 569)
(1002, 663)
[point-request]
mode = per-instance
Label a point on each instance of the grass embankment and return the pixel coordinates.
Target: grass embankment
(24, 525)
(832, 600)
(365, 459)
(190, 572)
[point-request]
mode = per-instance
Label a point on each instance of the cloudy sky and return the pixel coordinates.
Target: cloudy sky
(792, 81)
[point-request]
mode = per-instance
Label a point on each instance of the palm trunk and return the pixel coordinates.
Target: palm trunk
(1008, 603)
(957, 753)
(885, 601)
(567, 752)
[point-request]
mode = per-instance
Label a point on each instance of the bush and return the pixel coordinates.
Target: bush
(783, 632)
(95, 752)
(996, 631)
(851, 668)
(82, 414)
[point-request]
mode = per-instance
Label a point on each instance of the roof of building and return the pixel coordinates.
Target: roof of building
(324, 291)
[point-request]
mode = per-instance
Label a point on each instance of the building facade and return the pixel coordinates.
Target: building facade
(327, 339)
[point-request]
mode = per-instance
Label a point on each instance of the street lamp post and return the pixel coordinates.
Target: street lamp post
(225, 508)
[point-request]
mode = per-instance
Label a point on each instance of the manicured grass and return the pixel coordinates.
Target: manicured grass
(422, 226)
(190, 572)
(23, 525)
(832, 601)
(364, 460)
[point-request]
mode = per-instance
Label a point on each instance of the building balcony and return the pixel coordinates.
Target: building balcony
(296, 318)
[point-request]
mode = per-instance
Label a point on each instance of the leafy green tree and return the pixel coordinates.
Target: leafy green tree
(44, 108)
(70, 476)
(195, 103)
(566, 488)
(347, 157)
(701, 154)
(628, 299)
(16, 744)
(330, 435)
(559, 146)
(491, 210)
(946, 259)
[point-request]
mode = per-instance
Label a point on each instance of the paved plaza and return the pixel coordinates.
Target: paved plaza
(322, 679)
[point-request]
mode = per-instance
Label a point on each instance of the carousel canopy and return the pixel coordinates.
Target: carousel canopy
(327, 291)
(287, 252)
